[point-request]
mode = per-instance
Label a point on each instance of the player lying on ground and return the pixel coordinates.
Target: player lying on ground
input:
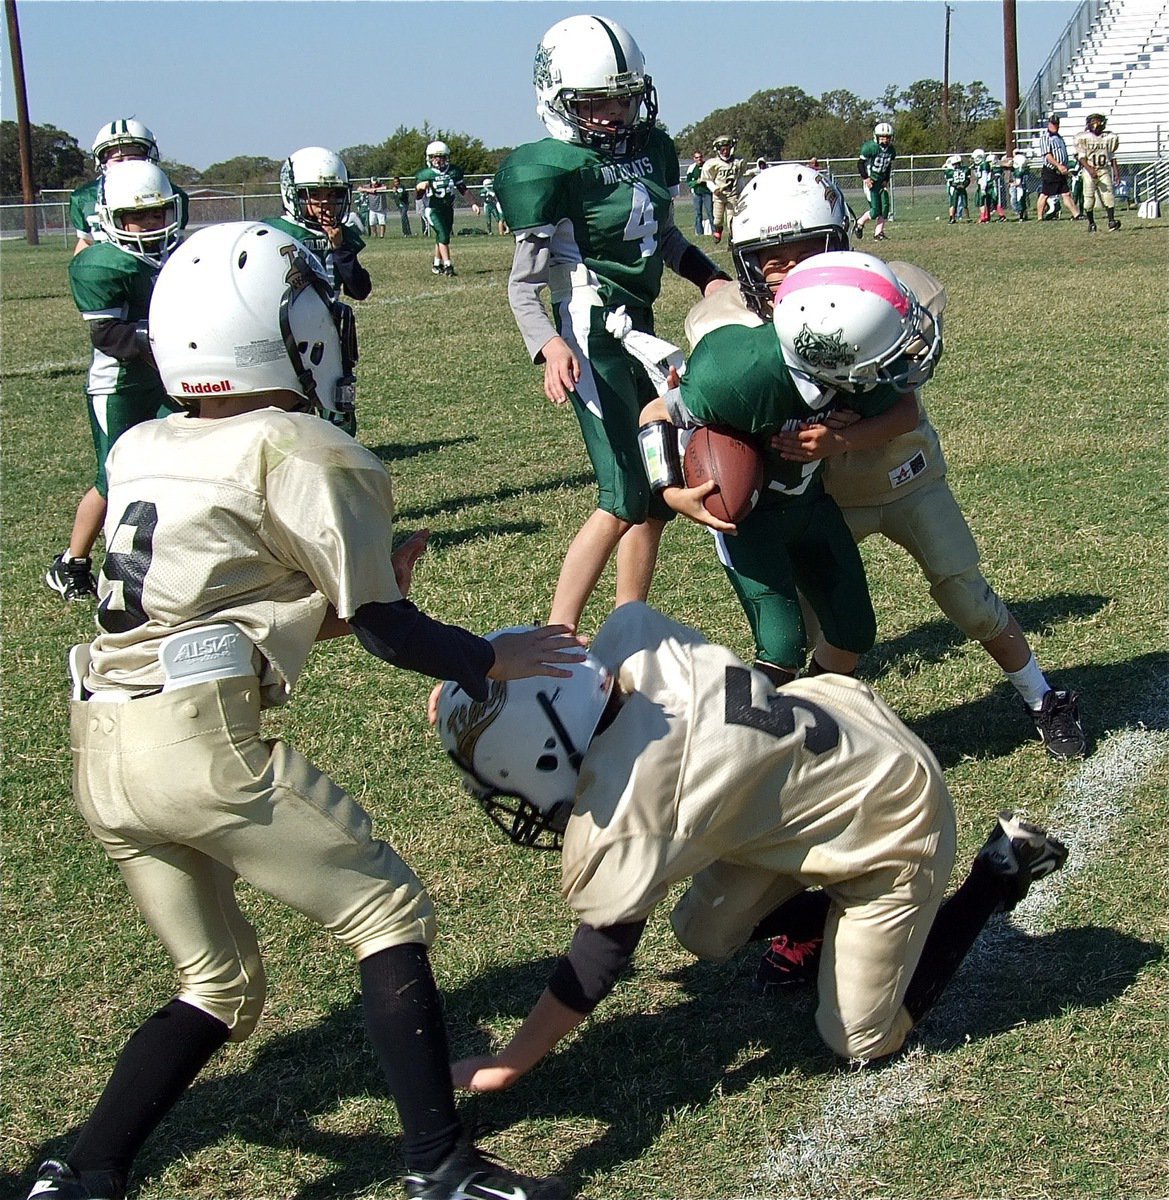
(238, 535)
(665, 759)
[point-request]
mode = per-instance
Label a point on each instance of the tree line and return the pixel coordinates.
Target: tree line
(775, 123)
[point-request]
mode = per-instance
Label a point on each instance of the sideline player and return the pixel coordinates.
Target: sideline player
(239, 534)
(665, 759)
(591, 207)
(721, 174)
(875, 164)
(1096, 154)
(436, 185)
(111, 281)
(118, 141)
(897, 488)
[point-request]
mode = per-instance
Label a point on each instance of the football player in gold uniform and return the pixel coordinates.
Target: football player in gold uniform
(238, 534)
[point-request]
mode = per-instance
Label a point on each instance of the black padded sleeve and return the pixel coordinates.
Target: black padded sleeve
(595, 960)
(400, 634)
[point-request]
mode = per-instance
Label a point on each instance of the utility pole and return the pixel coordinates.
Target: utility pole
(23, 135)
(946, 75)
(1011, 73)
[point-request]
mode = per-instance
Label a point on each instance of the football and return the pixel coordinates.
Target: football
(733, 461)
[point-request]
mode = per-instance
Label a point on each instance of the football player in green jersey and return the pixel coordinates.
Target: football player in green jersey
(315, 192)
(897, 488)
(239, 534)
(875, 164)
(111, 281)
(436, 184)
(591, 207)
(957, 175)
(742, 376)
(116, 141)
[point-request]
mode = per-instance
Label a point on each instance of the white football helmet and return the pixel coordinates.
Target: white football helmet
(790, 202)
(584, 61)
(314, 169)
(440, 151)
(242, 308)
(954, 160)
(882, 129)
(978, 156)
(724, 147)
(1019, 161)
(125, 132)
(846, 320)
(137, 186)
(520, 750)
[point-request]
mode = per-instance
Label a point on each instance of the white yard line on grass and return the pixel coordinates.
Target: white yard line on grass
(812, 1160)
(80, 364)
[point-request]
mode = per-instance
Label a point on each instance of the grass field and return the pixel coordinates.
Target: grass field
(1045, 1071)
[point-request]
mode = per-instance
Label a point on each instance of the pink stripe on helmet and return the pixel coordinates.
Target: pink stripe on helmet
(844, 276)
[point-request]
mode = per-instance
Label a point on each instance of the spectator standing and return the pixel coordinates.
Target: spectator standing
(375, 193)
(401, 198)
(700, 190)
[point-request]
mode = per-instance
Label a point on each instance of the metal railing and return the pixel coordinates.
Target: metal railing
(1037, 102)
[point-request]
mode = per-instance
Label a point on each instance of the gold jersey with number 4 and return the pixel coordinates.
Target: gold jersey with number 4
(292, 514)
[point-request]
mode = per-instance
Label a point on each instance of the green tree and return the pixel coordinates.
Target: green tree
(826, 137)
(179, 173)
(243, 169)
(759, 124)
(58, 162)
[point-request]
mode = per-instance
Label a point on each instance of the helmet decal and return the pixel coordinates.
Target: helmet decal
(824, 349)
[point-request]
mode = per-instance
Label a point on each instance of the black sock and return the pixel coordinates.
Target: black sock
(802, 918)
(955, 929)
(158, 1064)
(403, 1020)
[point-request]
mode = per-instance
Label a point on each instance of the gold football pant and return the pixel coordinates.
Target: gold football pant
(186, 797)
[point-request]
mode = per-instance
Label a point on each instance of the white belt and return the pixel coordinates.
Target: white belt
(210, 652)
(201, 655)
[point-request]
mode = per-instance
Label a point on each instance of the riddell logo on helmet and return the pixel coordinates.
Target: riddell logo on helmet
(204, 389)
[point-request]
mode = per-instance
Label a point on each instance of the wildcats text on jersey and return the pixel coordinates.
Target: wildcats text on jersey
(627, 172)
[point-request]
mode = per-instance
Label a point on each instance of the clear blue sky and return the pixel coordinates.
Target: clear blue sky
(263, 77)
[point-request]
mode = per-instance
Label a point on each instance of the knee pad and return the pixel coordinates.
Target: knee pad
(972, 604)
(237, 1000)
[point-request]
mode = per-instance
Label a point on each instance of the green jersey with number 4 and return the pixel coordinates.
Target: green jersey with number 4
(602, 211)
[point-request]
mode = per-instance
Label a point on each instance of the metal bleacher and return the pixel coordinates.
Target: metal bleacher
(1113, 58)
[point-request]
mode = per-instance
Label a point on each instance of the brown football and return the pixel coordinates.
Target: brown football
(733, 462)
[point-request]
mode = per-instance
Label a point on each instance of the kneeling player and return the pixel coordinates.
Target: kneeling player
(665, 759)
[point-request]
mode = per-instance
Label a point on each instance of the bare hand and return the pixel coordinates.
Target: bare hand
(536, 652)
(405, 557)
(809, 443)
(334, 233)
(561, 370)
(687, 502)
(483, 1074)
(712, 287)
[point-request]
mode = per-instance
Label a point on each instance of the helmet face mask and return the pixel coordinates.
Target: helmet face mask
(591, 86)
(309, 177)
(1096, 123)
(122, 140)
(846, 320)
(519, 751)
(788, 207)
(129, 191)
(233, 288)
